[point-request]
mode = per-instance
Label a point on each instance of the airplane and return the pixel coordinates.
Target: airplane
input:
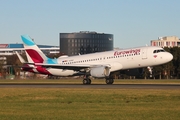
(100, 64)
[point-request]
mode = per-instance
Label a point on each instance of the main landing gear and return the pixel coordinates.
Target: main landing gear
(109, 80)
(87, 81)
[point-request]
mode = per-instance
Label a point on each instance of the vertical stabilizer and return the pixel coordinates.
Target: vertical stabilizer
(34, 54)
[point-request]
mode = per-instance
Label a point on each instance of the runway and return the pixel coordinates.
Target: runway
(94, 86)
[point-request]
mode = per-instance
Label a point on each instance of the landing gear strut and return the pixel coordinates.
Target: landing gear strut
(150, 71)
(109, 80)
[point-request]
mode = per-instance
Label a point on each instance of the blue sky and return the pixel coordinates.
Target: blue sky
(132, 22)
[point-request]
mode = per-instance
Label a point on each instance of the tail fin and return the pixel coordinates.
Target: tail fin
(33, 53)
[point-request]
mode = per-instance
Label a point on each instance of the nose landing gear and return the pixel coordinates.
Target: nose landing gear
(150, 71)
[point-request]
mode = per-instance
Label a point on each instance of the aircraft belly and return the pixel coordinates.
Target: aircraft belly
(133, 63)
(116, 66)
(61, 72)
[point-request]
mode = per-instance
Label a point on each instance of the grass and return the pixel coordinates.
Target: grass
(89, 104)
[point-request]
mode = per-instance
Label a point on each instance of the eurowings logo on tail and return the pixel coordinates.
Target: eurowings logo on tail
(34, 54)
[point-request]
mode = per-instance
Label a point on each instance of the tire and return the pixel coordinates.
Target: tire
(109, 81)
(85, 81)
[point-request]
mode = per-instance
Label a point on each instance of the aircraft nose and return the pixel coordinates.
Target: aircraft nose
(169, 57)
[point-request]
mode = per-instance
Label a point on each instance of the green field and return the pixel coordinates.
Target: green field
(87, 103)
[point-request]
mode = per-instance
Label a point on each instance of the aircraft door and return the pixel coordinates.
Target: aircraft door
(144, 53)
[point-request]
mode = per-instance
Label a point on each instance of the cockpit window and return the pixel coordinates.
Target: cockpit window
(159, 50)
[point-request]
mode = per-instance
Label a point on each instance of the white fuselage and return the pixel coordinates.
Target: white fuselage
(121, 59)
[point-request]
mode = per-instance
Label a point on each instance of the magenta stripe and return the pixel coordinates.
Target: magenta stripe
(35, 56)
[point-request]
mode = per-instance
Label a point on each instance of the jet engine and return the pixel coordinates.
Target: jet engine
(133, 72)
(100, 72)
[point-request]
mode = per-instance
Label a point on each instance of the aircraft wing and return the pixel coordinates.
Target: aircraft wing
(75, 67)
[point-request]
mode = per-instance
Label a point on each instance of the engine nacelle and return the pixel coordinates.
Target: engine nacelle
(134, 72)
(100, 72)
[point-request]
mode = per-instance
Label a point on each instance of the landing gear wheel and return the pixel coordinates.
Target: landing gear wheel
(109, 80)
(86, 81)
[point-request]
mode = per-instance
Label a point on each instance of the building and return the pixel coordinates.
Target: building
(9, 49)
(168, 41)
(85, 42)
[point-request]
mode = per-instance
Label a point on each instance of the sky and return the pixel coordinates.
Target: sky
(132, 22)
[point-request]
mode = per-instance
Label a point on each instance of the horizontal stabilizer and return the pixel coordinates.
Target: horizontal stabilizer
(20, 57)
